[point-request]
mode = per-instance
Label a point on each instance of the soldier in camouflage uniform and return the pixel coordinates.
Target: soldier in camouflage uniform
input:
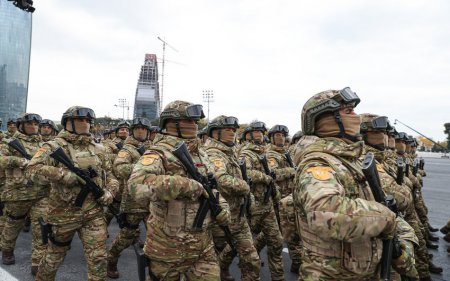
(11, 128)
(263, 217)
(220, 148)
(153, 131)
(113, 147)
(22, 196)
(294, 140)
(340, 224)
(374, 129)
(64, 217)
(131, 215)
(203, 135)
(160, 180)
(47, 130)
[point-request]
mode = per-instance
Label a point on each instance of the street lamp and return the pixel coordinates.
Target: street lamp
(208, 97)
(123, 104)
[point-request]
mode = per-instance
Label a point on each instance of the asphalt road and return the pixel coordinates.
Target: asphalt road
(436, 193)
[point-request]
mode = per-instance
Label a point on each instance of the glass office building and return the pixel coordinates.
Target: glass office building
(15, 47)
(146, 103)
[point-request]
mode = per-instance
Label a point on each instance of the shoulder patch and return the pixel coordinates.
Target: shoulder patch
(321, 173)
(380, 168)
(148, 159)
(272, 162)
(122, 153)
(218, 163)
(40, 152)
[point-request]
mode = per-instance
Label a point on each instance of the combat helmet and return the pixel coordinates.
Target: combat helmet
(278, 128)
(254, 126)
(11, 121)
(296, 137)
(27, 117)
(373, 122)
(140, 122)
(328, 102)
(49, 123)
(122, 124)
(220, 122)
(76, 112)
(178, 110)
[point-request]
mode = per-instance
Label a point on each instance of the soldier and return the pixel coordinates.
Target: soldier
(374, 129)
(295, 138)
(173, 245)
(263, 217)
(63, 216)
(203, 135)
(22, 196)
(340, 224)
(278, 162)
(118, 135)
(153, 131)
(220, 148)
(47, 129)
(11, 127)
(131, 215)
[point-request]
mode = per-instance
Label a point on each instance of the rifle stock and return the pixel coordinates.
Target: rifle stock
(400, 171)
(17, 146)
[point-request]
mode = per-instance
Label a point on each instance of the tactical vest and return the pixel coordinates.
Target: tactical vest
(285, 185)
(359, 257)
(177, 215)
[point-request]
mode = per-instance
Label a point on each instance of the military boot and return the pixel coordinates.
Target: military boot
(225, 275)
(445, 230)
(432, 246)
(34, 270)
(434, 268)
(433, 237)
(447, 237)
(112, 271)
(8, 257)
(432, 229)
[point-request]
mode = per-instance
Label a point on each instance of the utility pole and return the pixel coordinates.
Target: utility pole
(208, 97)
(123, 104)
(161, 96)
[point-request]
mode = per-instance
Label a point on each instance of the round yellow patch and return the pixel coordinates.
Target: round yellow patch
(272, 162)
(122, 154)
(218, 163)
(39, 152)
(148, 159)
(321, 173)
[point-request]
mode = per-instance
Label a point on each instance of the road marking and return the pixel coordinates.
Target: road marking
(4, 275)
(286, 250)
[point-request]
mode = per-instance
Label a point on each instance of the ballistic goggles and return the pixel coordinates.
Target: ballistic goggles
(279, 128)
(83, 113)
(347, 96)
(231, 122)
(140, 121)
(31, 117)
(258, 126)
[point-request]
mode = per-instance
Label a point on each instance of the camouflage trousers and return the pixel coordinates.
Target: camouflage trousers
(249, 262)
(420, 251)
(265, 225)
(14, 217)
(289, 230)
(108, 214)
(92, 234)
(126, 236)
(204, 268)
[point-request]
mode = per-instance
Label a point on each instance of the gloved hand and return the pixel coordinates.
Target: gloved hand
(404, 264)
(20, 162)
(277, 196)
(267, 179)
(106, 199)
(224, 217)
(68, 177)
(194, 190)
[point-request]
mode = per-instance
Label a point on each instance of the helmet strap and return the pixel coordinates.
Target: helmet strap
(342, 133)
(177, 124)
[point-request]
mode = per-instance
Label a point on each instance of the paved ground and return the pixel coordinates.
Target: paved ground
(436, 192)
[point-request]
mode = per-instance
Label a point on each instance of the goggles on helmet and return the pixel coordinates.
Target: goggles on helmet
(380, 123)
(140, 121)
(32, 117)
(231, 121)
(280, 128)
(258, 126)
(348, 96)
(84, 112)
(195, 111)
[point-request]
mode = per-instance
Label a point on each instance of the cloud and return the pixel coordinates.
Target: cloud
(263, 59)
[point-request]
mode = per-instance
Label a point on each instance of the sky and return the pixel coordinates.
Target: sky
(262, 59)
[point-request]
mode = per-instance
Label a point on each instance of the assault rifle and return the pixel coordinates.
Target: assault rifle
(141, 150)
(86, 176)
(400, 171)
(415, 167)
(212, 202)
(407, 167)
(246, 205)
(422, 163)
(17, 146)
(272, 189)
(143, 261)
(289, 160)
(391, 248)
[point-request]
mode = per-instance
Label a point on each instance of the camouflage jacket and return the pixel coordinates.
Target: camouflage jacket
(112, 147)
(84, 153)
(338, 218)
(17, 185)
(401, 193)
(228, 175)
(123, 166)
(252, 153)
(285, 173)
(161, 182)
(47, 138)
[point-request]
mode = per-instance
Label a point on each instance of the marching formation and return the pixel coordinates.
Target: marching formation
(344, 194)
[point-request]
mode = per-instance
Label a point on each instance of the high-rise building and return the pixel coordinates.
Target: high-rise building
(146, 103)
(15, 47)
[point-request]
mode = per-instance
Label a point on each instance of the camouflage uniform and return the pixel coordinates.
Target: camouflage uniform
(290, 231)
(263, 217)
(338, 220)
(21, 197)
(63, 215)
(173, 246)
(234, 189)
(129, 232)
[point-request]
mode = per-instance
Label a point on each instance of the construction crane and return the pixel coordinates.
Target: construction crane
(162, 74)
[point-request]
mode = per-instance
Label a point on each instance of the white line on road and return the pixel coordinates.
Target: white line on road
(4, 275)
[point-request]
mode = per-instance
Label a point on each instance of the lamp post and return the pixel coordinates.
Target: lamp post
(208, 97)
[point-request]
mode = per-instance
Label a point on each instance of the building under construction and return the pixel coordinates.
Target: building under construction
(147, 102)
